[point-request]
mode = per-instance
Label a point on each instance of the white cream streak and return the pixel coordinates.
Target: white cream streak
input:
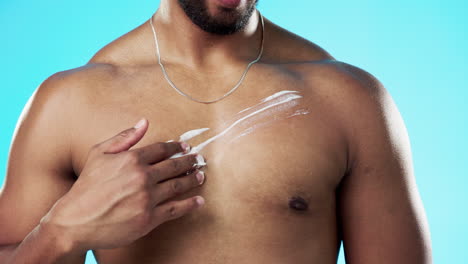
(299, 112)
(271, 113)
(192, 133)
(200, 146)
(271, 97)
(251, 129)
(278, 94)
(264, 123)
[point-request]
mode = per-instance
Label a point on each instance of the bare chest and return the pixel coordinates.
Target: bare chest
(273, 156)
(278, 141)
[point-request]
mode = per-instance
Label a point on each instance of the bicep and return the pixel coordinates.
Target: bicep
(38, 168)
(381, 214)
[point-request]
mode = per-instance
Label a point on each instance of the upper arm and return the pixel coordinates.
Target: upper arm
(382, 219)
(39, 168)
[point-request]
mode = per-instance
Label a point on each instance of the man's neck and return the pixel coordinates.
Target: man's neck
(183, 42)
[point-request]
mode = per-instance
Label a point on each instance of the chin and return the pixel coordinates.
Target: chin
(219, 16)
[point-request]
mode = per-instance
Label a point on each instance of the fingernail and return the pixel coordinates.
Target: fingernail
(185, 147)
(200, 161)
(200, 200)
(140, 123)
(200, 177)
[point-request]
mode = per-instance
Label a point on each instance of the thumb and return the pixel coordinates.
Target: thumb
(125, 139)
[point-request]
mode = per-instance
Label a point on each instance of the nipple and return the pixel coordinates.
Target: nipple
(298, 203)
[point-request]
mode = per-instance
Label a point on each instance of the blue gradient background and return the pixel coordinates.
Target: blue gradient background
(417, 49)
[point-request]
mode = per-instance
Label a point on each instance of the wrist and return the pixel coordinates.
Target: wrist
(60, 240)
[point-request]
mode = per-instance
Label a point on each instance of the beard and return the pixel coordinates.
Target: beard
(226, 22)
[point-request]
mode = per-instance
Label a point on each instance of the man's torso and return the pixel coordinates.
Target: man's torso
(293, 154)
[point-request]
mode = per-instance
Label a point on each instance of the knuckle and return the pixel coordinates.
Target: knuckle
(124, 134)
(171, 211)
(140, 178)
(143, 219)
(156, 172)
(176, 163)
(142, 208)
(176, 186)
(143, 201)
(139, 152)
(131, 157)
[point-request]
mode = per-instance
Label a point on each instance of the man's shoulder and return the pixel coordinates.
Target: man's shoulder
(79, 87)
(334, 76)
(106, 64)
(350, 98)
(353, 87)
(79, 78)
(340, 73)
(312, 62)
(347, 92)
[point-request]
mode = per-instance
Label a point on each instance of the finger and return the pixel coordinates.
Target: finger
(159, 151)
(125, 139)
(171, 168)
(173, 187)
(175, 209)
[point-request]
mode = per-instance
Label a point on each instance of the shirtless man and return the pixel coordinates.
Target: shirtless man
(307, 152)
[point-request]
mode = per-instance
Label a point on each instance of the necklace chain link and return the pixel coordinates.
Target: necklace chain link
(225, 95)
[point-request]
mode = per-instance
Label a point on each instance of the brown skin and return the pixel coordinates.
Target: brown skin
(350, 159)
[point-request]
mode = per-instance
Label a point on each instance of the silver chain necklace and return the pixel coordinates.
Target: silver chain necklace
(190, 97)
